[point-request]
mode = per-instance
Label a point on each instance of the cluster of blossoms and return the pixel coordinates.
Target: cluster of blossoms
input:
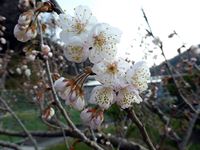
(2, 30)
(24, 69)
(26, 29)
(121, 82)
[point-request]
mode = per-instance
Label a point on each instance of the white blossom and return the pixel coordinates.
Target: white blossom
(60, 84)
(127, 96)
(76, 50)
(70, 92)
(24, 35)
(80, 23)
(48, 113)
(18, 70)
(92, 117)
(111, 72)
(25, 18)
(103, 96)
(103, 39)
(27, 72)
(138, 76)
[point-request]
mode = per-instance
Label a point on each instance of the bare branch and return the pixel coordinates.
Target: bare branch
(142, 128)
(192, 122)
(169, 67)
(125, 144)
(19, 122)
(10, 145)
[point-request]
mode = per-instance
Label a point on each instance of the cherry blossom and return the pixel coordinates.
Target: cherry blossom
(103, 96)
(103, 39)
(111, 72)
(48, 113)
(138, 75)
(92, 117)
(70, 92)
(127, 96)
(80, 23)
(25, 35)
(76, 50)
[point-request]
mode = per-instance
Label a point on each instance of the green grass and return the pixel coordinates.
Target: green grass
(62, 146)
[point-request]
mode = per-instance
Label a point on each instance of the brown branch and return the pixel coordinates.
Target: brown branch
(169, 67)
(10, 145)
(142, 128)
(19, 122)
(59, 105)
(57, 7)
(125, 144)
(192, 122)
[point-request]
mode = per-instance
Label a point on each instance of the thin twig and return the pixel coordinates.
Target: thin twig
(168, 64)
(142, 128)
(192, 122)
(10, 145)
(19, 122)
(59, 105)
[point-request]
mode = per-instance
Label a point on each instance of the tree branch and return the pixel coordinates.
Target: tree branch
(142, 128)
(20, 123)
(125, 144)
(10, 145)
(192, 122)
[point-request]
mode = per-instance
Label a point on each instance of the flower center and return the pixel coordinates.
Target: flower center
(79, 27)
(112, 68)
(99, 40)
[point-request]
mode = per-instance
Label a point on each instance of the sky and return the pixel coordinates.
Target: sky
(164, 17)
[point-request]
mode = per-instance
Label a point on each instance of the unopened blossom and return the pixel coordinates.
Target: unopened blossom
(48, 113)
(127, 96)
(27, 72)
(46, 51)
(103, 39)
(138, 75)
(25, 5)
(111, 72)
(60, 84)
(30, 57)
(80, 23)
(18, 70)
(92, 117)
(76, 50)
(103, 96)
(24, 67)
(25, 34)
(3, 40)
(25, 18)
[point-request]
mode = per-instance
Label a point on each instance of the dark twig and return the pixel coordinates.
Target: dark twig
(10, 145)
(142, 128)
(192, 122)
(19, 122)
(169, 67)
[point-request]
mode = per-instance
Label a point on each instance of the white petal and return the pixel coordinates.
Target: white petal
(127, 96)
(103, 96)
(60, 84)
